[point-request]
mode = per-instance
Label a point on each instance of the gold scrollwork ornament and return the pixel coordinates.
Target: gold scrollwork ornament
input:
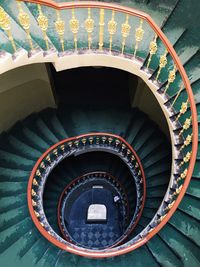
(89, 25)
(112, 28)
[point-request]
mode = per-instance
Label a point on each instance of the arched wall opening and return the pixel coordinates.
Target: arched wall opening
(31, 88)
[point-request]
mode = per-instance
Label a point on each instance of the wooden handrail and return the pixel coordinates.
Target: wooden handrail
(180, 68)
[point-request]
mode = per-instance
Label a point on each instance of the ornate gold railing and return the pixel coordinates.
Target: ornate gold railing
(121, 31)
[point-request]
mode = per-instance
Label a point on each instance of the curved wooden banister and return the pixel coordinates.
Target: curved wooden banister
(180, 68)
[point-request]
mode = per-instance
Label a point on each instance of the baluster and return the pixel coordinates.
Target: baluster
(152, 50)
(60, 28)
(117, 142)
(169, 206)
(37, 214)
(101, 29)
(139, 33)
(55, 152)
(91, 139)
(187, 141)
(162, 64)
(185, 159)
(34, 204)
(132, 158)
(125, 32)
(89, 25)
(128, 152)
(183, 109)
(43, 24)
(104, 139)
(35, 182)
(180, 90)
(38, 173)
(112, 28)
(42, 165)
(123, 147)
(97, 140)
(76, 143)
(110, 139)
(24, 20)
(74, 26)
(84, 140)
(182, 176)
(33, 193)
(48, 158)
(186, 125)
(5, 25)
(62, 148)
(171, 78)
(70, 144)
(178, 190)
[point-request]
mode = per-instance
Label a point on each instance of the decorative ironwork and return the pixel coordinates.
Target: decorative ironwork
(24, 21)
(186, 125)
(178, 190)
(60, 28)
(37, 214)
(112, 28)
(171, 78)
(6, 26)
(74, 26)
(185, 159)
(162, 64)
(48, 158)
(38, 173)
(183, 175)
(153, 47)
(62, 147)
(55, 152)
(35, 182)
(178, 94)
(139, 33)
(101, 29)
(169, 206)
(33, 193)
(42, 165)
(187, 141)
(89, 25)
(34, 204)
(183, 109)
(43, 24)
(125, 32)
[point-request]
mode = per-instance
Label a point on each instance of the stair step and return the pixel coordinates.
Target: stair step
(51, 119)
(187, 250)
(13, 217)
(187, 225)
(162, 252)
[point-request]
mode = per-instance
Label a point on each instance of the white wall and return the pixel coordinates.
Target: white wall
(22, 91)
(145, 101)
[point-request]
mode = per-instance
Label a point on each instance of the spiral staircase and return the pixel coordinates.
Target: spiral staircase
(58, 163)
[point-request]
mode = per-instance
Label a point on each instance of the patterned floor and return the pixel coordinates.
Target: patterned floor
(96, 234)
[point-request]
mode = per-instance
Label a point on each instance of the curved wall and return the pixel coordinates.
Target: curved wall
(23, 91)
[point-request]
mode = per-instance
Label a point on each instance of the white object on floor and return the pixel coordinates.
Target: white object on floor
(96, 213)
